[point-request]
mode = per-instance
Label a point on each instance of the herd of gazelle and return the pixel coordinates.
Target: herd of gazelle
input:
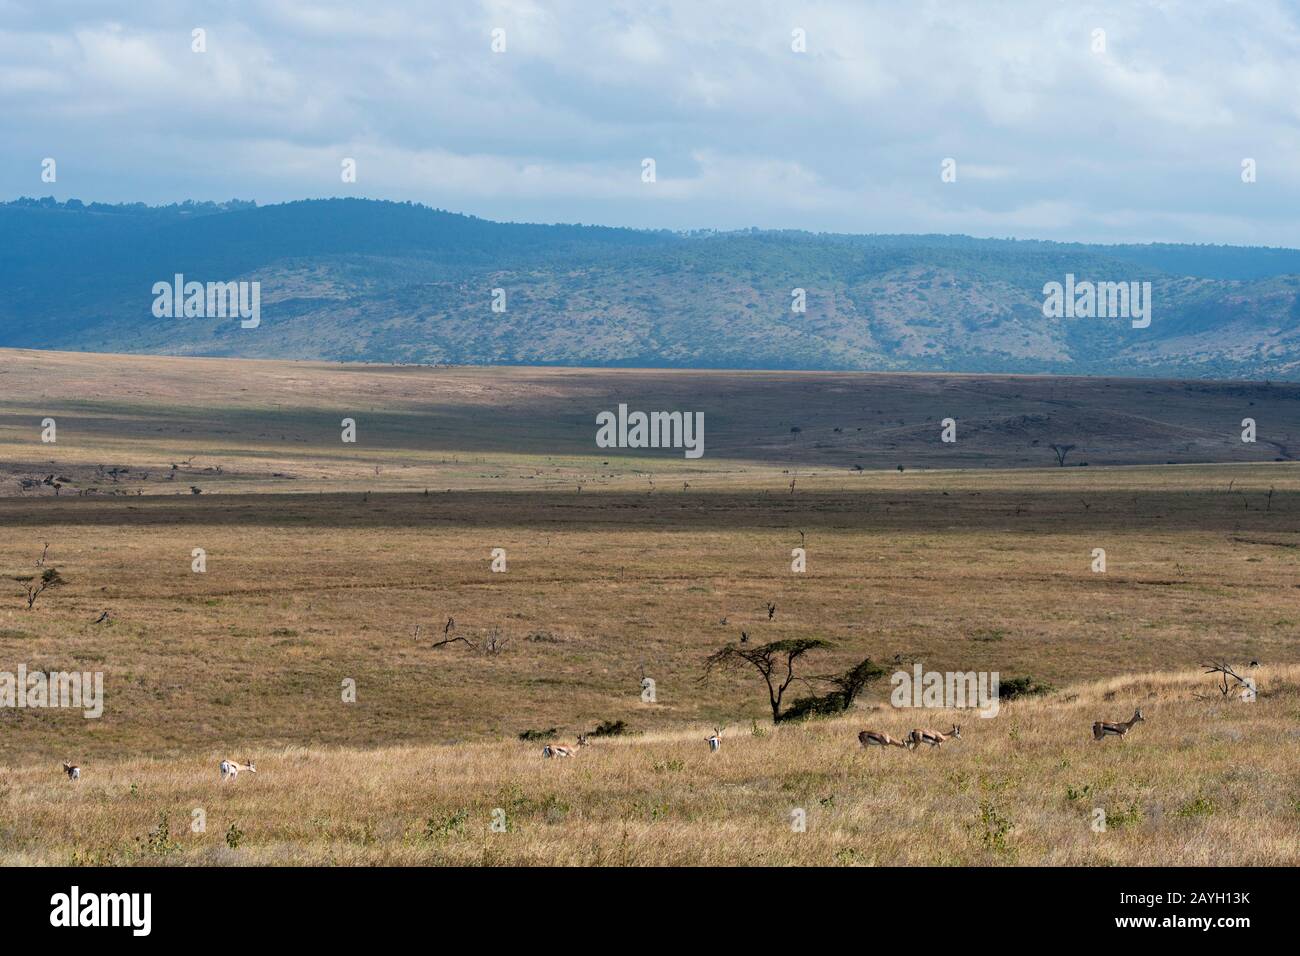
(872, 738)
(1101, 729)
(230, 769)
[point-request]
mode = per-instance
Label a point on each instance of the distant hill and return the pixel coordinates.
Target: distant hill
(348, 279)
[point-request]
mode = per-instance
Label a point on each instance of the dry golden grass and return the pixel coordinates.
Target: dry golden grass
(323, 577)
(302, 592)
(1201, 783)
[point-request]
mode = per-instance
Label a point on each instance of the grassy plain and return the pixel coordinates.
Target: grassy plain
(323, 558)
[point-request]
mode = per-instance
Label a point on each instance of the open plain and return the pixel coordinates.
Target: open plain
(330, 565)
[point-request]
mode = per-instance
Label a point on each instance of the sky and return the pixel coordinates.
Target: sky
(1136, 133)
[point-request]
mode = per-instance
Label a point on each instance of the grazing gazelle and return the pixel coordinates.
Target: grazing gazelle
(1102, 728)
(933, 737)
(72, 770)
(715, 742)
(230, 769)
(870, 738)
(559, 750)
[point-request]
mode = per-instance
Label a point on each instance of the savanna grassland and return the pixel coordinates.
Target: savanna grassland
(330, 562)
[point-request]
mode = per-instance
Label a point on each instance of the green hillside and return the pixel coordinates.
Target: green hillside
(394, 282)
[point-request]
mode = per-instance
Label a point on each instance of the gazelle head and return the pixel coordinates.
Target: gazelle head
(250, 766)
(1137, 716)
(582, 740)
(956, 731)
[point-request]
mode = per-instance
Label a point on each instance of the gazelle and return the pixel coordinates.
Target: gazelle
(933, 737)
(870, 738)
(559, 750)
(715, 742)
(1102, 728)
(230, 769)
(72, 770)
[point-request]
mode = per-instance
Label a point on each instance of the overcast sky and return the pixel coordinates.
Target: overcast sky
(1051, 138)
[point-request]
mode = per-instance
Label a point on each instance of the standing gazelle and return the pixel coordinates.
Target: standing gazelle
(72, 770)
(870, 738)
(933, 737)
(1101, 729)
(715, 742)
(559, 750)
(230, 769)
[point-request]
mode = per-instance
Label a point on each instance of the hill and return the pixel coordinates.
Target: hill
(350, 279)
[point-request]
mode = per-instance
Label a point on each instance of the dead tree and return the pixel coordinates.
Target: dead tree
(491, 645)
(774, 662)
(1227, 682)
(452, 640)
(1061, 451)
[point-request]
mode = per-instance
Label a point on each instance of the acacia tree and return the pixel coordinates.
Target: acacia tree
(774, 662)
(49, 578)
(1061, 451)
(846, 687)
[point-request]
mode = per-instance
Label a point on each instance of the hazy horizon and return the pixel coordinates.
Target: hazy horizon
(682, 232)
(1114, 123)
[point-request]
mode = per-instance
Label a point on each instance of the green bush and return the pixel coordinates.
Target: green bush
(548, 734)
(1009, 688)
(610, 728)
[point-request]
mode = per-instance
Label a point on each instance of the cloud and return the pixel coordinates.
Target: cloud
(1140, 141)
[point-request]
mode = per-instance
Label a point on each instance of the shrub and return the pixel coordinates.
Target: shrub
(1118, 819)
(993, 829)
(548, 734)
(1200, 807)
(454, 823)
(159, 842)
(1009, 688)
